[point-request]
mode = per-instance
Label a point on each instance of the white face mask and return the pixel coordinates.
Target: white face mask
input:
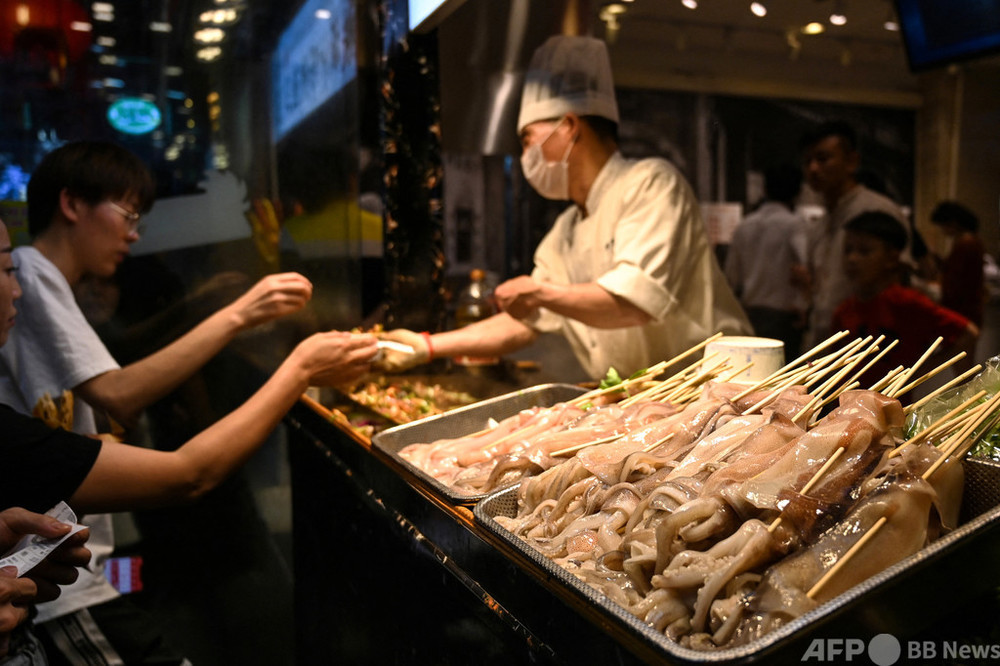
(550, 179)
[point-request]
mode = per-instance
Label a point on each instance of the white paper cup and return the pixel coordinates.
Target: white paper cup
(766, 354)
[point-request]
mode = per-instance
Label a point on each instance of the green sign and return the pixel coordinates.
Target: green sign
(134, 115)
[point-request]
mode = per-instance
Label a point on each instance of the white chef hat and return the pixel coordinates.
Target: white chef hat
(568, 73)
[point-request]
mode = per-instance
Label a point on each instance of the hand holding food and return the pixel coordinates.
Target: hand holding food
(272, 297)
(398, 359)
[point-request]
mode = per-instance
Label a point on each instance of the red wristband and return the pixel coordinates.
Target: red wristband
(430, 347)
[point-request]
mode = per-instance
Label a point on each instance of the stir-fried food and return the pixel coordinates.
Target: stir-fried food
(405, 401)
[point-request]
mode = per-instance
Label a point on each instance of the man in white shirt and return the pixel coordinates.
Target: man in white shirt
(626, 274)
(831, 165)
(767, 259)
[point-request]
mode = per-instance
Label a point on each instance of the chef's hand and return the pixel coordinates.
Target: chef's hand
(518, 296)
(392, 360)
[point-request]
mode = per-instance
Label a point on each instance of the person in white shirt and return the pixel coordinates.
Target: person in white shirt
(832, 159)
(84, 204)
(767, 261)
(626, 274)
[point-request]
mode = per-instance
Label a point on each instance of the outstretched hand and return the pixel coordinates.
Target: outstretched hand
(272, 297)
(336, 358)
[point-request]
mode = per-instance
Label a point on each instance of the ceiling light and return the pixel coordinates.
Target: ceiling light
(614, 8)
(209, 35)
(690, 4)
(102, 7)
(209, 53)
(838, 16)
(323, 14)
(891, 23)
(813, 28)
(758, 9)
(81, 26)
(160, 26)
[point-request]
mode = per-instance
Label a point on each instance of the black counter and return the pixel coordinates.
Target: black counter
(388, 572)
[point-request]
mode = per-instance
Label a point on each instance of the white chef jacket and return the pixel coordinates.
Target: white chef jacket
(642, 239)
(51, 348)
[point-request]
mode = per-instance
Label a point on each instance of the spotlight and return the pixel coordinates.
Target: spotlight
(758, 9)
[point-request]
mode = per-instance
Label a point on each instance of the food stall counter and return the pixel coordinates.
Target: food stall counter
(388, 570)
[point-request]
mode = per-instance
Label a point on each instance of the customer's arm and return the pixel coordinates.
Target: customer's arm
(129, 477)
(125, 392)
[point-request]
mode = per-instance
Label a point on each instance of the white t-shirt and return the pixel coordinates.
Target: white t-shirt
(51, 348)
(643, 239)
(765, 247)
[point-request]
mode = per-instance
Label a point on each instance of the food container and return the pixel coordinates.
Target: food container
(766, 354)
(466, 420)
(900, 600)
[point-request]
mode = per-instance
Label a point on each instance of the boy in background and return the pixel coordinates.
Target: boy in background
(879, 305)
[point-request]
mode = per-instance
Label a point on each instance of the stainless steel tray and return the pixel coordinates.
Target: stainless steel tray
(466, 420)
(930, 582)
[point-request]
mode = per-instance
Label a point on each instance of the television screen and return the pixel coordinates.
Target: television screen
(940, 32)
(427, 14)
(315, 57)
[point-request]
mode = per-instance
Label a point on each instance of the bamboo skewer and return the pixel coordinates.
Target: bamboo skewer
(650, 372)
(788, 366)
(944, 387)
(920, 380)
(888, 379)
(939, 425)
(662, 440)
(956, 446)
(832, 571)
(812, 482)
(584, 445)
(850, 364)
(953, 448)
(920, 361)
(686, 376)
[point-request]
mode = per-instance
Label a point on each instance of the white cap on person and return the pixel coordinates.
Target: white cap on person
(568, 73)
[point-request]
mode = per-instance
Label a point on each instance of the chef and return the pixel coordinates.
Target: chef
(626, 273)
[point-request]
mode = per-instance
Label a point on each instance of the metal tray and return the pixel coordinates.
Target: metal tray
(891, 602)
(465, 420)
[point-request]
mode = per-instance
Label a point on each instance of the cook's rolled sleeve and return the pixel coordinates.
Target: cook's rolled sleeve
(635, 286)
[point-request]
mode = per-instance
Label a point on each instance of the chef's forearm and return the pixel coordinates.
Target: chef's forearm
(500, 334)
(591, 304)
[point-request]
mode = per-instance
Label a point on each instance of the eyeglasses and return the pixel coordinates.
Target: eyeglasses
(130, 217)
